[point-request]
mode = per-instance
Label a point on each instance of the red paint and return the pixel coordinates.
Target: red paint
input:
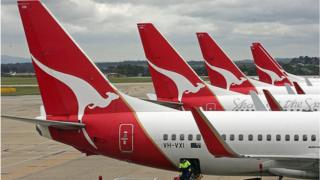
(213, 141)
(298, 88)
(159, 52)
(215, 56)
(53, 47)
(264, 60)
(273, 103)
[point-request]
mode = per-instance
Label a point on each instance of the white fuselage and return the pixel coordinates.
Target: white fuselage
(287, 102)
(314, 89)
(299, 124)
(232, 101)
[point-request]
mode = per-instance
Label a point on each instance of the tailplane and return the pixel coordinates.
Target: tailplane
(221, 70)
(69, 82)
(268, 70)
(172, 77)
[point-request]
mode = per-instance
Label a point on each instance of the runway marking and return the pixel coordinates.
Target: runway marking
(38, 157)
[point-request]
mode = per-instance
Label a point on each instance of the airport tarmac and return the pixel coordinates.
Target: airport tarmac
(26, 155)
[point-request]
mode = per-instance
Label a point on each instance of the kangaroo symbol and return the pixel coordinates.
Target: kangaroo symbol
(86, 94)
(229, 77)
(183, 84)
(273, 76)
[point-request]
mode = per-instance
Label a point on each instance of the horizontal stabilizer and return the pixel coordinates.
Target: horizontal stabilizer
(152, 96)
(51, 123)
(175, 105)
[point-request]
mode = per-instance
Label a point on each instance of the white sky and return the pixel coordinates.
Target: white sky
(107, 30)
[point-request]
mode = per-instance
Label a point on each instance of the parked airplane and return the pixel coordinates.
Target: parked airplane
(82, 109)
(175, 81)
(269, 71)
(225, 74)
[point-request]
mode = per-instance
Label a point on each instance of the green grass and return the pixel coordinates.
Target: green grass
(23, 91)
(130, 79)
(33, 80)
(7, 81)
(18, 80)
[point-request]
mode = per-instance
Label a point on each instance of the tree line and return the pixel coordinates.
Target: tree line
(302, 65)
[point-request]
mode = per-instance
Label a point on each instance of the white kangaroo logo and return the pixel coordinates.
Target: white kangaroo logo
(229, 77)
(273, 76)
(183, 84)
(86, 94)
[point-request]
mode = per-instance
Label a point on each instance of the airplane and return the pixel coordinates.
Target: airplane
(269, 71)
(175, 82)
(225, 74)
(81, 108)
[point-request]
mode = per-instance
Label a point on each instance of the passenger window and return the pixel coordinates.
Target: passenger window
(287, 137)
(268, 137)
(198, 137)
(296, 137)
(313, 137)
(231, 137)
(181, 137)
(240, 137)
(190, 137)
(260, 137)
(278, 137)
(173, 137)
(250, 137)
(165, 137)
(223, 137)
(304, 137)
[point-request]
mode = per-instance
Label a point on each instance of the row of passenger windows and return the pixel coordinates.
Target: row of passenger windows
(241, 137)
(181, 137)
(268, 137)
(304, 110)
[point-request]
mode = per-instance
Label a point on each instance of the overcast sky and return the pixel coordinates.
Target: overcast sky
(106, 30)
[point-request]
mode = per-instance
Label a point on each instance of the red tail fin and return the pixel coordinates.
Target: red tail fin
(172, 77)
(69, 82)
(221, 70)
(267, 70)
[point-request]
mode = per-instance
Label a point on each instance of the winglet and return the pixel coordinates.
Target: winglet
(298, 88)
(308, 82)
(258, 104)
(289, 88)
(273, 103)
(214, 142)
